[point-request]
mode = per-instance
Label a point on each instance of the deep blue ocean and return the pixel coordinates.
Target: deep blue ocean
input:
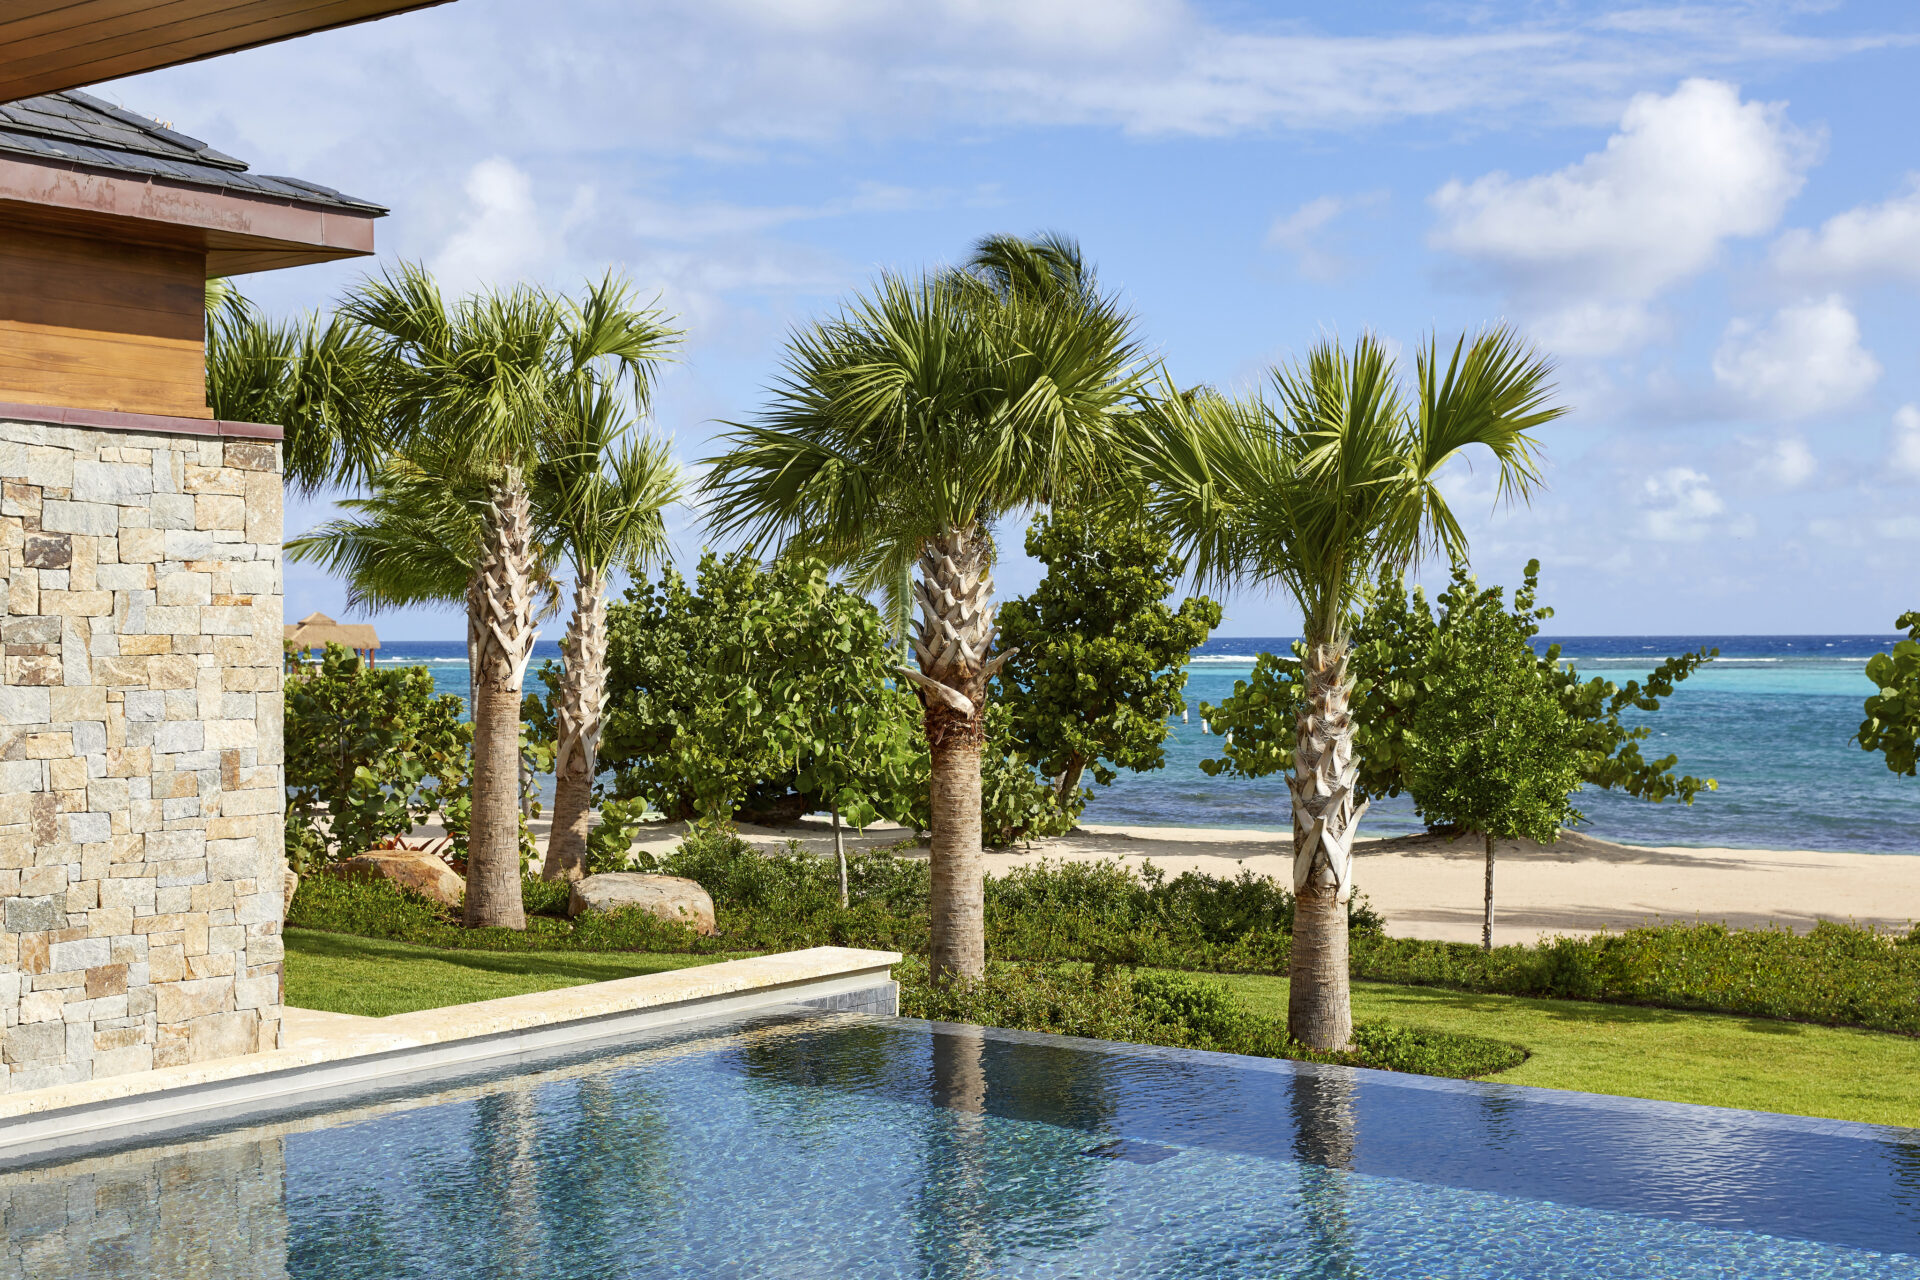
(1771, 720)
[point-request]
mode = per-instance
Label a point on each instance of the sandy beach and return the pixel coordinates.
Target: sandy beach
(1428, 887)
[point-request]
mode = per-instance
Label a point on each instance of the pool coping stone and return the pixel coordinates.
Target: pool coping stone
(331, 1057)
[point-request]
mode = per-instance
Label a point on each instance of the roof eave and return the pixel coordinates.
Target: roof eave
(63, 46)
(240, 232)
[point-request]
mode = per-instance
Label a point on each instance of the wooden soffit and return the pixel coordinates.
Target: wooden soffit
(49, 45)
(239, 233)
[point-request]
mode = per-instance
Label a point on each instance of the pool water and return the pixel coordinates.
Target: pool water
(876, 1147)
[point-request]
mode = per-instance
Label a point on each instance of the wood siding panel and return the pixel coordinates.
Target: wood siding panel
(52, 47)
(92, 324)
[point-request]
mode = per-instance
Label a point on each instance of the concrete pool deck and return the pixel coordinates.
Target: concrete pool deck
(331, 1057)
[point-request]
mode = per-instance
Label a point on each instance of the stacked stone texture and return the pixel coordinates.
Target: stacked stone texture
(141, 855)
(215, 1210)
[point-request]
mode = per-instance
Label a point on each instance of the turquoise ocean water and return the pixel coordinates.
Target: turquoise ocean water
(1771, 720)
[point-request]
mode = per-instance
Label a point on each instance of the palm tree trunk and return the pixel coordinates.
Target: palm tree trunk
(582, 704)
(500, 636)
(958, 944)
(1325, 816)
(955, 595)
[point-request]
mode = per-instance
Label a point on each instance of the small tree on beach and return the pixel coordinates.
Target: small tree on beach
(1100, 658)
(1393, 662)
(903, 428)
(1319, 487)
(1892, 726)
(1494, 753)
(370, 752)
(756, 687)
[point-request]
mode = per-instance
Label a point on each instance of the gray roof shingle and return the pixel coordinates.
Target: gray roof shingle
(77, 128)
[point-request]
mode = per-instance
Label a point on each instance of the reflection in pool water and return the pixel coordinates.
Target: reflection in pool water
(864, 1147)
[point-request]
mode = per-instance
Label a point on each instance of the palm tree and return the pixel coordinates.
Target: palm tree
(1320, 487)
(311, 378)
(412, 539)
(479, 387)
(602, 499)
(902, 428)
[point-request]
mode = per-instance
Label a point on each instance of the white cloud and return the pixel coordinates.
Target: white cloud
(504, 235)
(711, 77)
(1785, 462)
(1807, 360)
(1585, 248)
(1870, 242)
(1303, 232)
(1905, 528)
(1680, 505)
(1903, 446)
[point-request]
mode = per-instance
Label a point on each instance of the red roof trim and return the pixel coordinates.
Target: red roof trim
(147, 423)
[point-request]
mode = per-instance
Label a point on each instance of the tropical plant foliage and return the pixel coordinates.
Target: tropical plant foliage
(486, 403)
(1321, 485)
(902, 428)
(1892, 726)
(759, 688)
(1102, 658)
(1399, 656)
(312, 378)
(1181, 1010)
(929, 405)
(1494, 753)
(370, 752)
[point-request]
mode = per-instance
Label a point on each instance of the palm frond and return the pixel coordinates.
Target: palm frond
(929, 404)
(1331, 478)
(314, 379)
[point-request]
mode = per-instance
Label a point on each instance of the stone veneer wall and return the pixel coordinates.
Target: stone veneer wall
(141, 856)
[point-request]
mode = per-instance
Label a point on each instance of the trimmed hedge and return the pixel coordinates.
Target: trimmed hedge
(1181, 1011)
(1836, 974)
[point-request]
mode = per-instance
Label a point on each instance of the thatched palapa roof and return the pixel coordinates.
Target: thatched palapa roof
(317, 631)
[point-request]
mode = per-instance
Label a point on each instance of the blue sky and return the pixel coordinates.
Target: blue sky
(1708, 214)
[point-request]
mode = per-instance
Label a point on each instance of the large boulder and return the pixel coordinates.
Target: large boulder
(413, 869)
(674, 898)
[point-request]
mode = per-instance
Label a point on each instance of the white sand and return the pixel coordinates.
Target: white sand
(1427, 887)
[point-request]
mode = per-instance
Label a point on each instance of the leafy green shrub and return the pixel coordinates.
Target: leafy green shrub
(1837, 974)
(1101, 659)
(1180, 1011)
(1398, 661)
(1106, 915)
(758, 688)
(1102, 912)
(1892, 726)
(610, 841)
(370, 752)
(378, 909)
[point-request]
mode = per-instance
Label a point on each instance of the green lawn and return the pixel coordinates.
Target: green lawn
(1715, 1059)
(344, 974)
(1647, 1053)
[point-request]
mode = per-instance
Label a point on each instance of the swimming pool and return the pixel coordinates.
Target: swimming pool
(860, 1146)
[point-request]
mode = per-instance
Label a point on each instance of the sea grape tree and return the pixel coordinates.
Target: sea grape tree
(1892, 726)
(1100, 658)
(1394, 658)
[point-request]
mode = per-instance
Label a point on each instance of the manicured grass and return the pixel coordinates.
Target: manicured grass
(1716, 1059)
(373, 978)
